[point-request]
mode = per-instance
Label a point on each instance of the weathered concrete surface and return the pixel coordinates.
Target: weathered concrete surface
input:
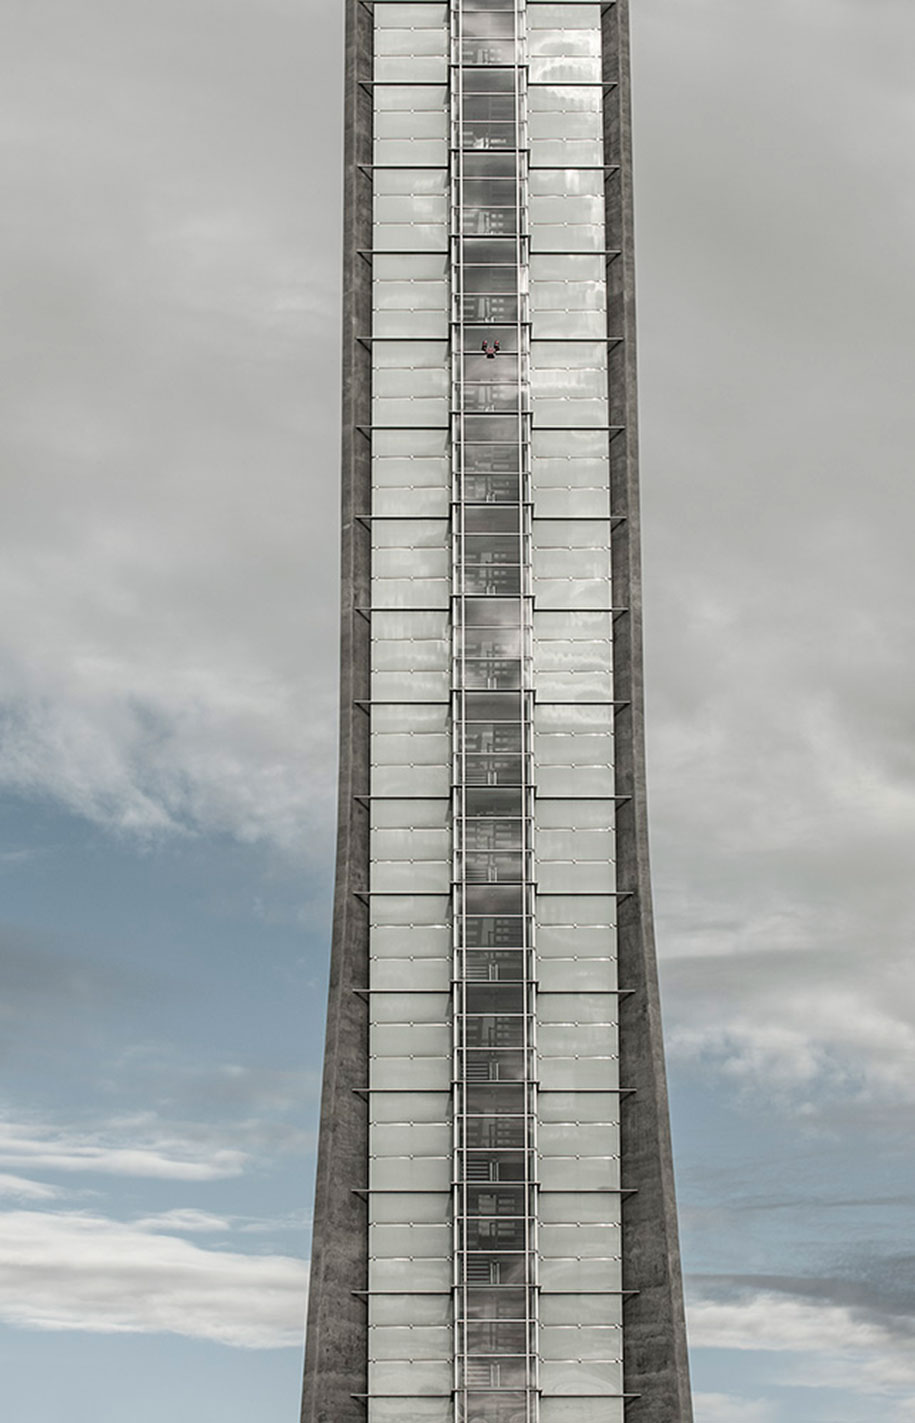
(337, 1339)
(655, 1362)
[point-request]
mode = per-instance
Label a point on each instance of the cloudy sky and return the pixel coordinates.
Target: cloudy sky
(167, 644)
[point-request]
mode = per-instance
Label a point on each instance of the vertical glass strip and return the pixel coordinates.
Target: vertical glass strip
(495, 1248)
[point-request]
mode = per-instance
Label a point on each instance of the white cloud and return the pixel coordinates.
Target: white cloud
(724, 1408)
(81, 1272)
(186, 1219)
(164, 1157)
(830, 1345)
(23, 1189)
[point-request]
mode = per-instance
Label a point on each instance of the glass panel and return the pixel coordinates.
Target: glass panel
(488, 81)
(493, 834)
(495, 1303)
(486, 802)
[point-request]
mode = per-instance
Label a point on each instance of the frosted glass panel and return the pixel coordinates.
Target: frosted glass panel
(410, 296)
(564, 942)
(579, 445)
(571, 533)
(577, 563)
(562, 1072)
(581, 1376)
(578, 1241)
(576, 1106)
(551, 16)
(577, 909)
(564, 40)
(580, 686)
(576, 1008)
(594, 1039)
(567, 182)
(598, 975)
(410, 1040)
(402, 500)
(411, 780)
(554, 324)
(556, 124)
(580, 1274)
(419, 444)
(417, 941)
(417, 97)
(429, 813)
(552, 655)
(572, 750)
(389, 16)
(572, 592)
(557, 384)
(575, 845)
(422, 876)
(585, 1173)
(401, 686)
(416, 1410)
(544, 69)
(410, 1139)
(569, 1410)
(593, 1208)
(388, 1342)
(574, 1139)
(422, 1311)
(395, 382)
(411, 844)
(411, 592)
(418, 1173)
(409, 1106)
(584, 1309)
(418, 1242)
(582, 877)
(584, 501)
(417, 1007)
(424, 124)
(401, 1275)
(588, 1342)
(411, 654)
(410, 1377)
(406, 1072)
(580, 814)
(410, 750)
(585, 781)
(395, 975)
(404, 69)
(422, 1207)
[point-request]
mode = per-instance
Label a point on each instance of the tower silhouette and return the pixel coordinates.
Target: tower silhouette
(495, 1230)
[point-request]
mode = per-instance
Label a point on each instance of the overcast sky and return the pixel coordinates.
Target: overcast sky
(169, 349)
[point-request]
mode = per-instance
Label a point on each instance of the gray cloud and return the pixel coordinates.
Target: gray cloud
(170, 439)
(776, 301)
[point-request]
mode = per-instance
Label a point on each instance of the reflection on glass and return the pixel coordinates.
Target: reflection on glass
(492, 931)
(492, 1030)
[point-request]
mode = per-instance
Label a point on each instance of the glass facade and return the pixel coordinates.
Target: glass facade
(480, 926)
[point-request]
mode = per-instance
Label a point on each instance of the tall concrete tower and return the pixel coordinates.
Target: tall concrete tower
(495, 1231)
